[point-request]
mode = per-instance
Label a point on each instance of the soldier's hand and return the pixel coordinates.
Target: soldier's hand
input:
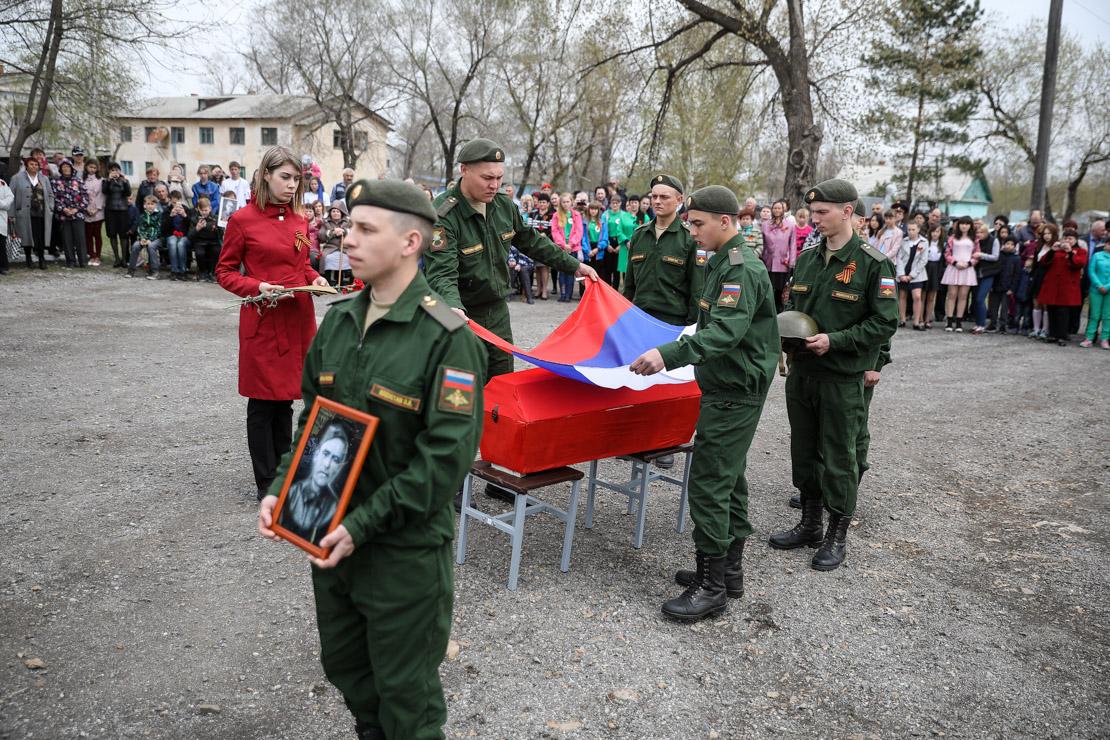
(461, 313)
(649, 363)
(266, 518)
(585, 271)
(341, 546)
(818, 344)
(871, 378)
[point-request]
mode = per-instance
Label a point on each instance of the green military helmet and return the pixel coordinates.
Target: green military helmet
(796, 325)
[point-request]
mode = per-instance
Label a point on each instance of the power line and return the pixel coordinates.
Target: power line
(1096, 15)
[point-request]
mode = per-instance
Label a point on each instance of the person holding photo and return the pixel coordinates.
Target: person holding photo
(385, 593)
(269, 240)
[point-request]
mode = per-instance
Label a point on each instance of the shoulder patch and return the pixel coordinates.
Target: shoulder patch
(442, 313)
(735, 256)
(445, 207)
(873, 253)
(456, 393)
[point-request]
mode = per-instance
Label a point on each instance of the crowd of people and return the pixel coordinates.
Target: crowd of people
(1030, 279)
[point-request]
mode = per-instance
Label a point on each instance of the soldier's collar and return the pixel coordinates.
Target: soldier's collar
(403, 309)
(675, 224)
(849, 250)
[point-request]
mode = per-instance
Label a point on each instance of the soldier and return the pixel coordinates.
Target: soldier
(848, 288)
(384, 594)
(734, 352)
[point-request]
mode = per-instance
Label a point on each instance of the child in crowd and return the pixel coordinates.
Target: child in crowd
(1023, 300)
(1009, 276)
(959, 276)
(1098, 270)
(206, 188)
(753, 237)
(802, 227)
(204, 235)
(910, 272)
(332, 257)
(595, 239)
(522, 266)
(150, 232)
(934, 271)
(175, 226)
(890, 238)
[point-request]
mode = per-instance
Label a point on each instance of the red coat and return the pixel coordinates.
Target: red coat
(272, 345)
(1061, 279)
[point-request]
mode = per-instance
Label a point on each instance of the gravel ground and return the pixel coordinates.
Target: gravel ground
(974, 602)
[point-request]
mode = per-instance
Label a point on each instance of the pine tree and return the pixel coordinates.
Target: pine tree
(926, 60)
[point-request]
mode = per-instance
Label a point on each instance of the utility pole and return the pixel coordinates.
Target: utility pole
(1048, 96)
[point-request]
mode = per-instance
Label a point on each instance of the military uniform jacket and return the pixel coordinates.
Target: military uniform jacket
(421, 372)
(467, 262)
(736, 346)
(663, 276)
(854, 300)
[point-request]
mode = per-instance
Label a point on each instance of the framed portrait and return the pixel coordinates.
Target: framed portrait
(322, 474)
(228, 206)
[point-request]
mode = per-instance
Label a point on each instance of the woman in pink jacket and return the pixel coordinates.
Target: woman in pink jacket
(780, 241)
(566, 232)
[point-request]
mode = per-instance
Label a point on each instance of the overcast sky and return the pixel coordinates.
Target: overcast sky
(1090, 19)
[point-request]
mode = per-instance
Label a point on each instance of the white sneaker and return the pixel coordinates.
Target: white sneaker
(1105, 344)
(1086, 343)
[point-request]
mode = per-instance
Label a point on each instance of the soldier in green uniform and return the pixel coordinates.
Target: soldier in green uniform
(848, 288)
(384, 595)
(663, 277)
(468, 261)
(734, 351)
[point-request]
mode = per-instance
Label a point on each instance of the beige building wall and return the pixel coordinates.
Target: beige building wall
(317, 142)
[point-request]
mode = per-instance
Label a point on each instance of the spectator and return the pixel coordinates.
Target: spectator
(1027, 233)
(935, 218)
(117, 192)
(1023, 299)
(874, 228)
(1065, 261)
(899, 210)
(753, 237)
(77, 156)
(802, 227)
(176, 183)
(149, 186)
(7, 198)
(236, 184)
(149, 238)
(1005, 284)
(218, 177)
(934, 270)
(959, 273)
(645, 207)
(595, 239)
(315, 218)
(890, 237)
(522, 265)
(314, 191)
(70, 203)
(1000, 221)
(614, 187)
(94, 213)
(751, 204)
(339, 192)
(779, 251)
(638, 216)
(619, 226)
(1099, 271)
(526, 207)
(55, 165)
(1047, 235)
(922, 221)
(987, 251)
(566, 232)
(913, 258)
(511, 192)
(601, 195)
(333, 259)
(541, 221)
(204, 235)
(175, 228)
(877, 209)
(205, 188)
(764, 215)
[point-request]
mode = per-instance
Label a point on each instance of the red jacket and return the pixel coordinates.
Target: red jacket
(1061, 279)
(272, 345)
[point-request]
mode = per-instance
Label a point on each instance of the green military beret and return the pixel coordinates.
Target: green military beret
(393, 195)
(714, 199)
(832, 191)
(673, 182)
(860, 209)
(481, 150)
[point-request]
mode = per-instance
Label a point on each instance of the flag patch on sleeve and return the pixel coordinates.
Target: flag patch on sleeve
(702, 257)
(456, 394)
(886, 287)
(730, 295)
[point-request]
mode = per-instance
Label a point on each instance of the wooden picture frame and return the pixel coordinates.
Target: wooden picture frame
(318, 487)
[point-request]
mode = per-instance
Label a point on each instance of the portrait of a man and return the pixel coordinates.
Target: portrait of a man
(315, 493)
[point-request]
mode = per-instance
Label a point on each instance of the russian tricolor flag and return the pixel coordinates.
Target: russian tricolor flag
(456, 379)
(598, 342)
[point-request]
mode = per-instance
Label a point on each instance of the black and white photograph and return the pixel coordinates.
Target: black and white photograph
(228, 206)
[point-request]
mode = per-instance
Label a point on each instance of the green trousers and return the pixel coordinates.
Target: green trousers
(495, 317)
(718, 487)
(384, 615)
(825, 422)
(863, 438)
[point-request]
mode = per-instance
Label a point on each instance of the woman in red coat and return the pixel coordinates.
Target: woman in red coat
(269, 238)
(1063, 263)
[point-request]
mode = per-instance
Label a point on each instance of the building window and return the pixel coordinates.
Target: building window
(150, 134)
(362, 140)
(177, 135)
(238, 135)
(126, 167)
(206, 136)
(269, 136)
(147, 166)
(125, 133)
(336, 139)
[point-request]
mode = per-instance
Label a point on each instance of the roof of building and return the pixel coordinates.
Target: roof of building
(954, 182)
(229, 107)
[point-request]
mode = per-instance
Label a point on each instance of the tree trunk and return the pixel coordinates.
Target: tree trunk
(912, 175)
(529, 160)
(38, 98)
(803, 134)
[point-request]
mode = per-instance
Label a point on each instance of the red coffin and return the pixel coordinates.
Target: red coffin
(536, 420)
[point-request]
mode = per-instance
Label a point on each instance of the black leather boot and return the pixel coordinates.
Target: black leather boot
(734, 571)
(705, 595)
(30, 264)
(796, 501)
(364, 731)
(834, 550)
(807, 532)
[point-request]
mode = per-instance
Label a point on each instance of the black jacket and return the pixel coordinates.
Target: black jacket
(209, 235)
(115, 193)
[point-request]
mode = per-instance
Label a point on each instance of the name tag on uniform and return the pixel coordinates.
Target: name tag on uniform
(673, 260)
(326, 379)
(703, 304)
(853, 297)
(508, 235)
(397, 399)
(472, 250)
(800, 288)
(638, 257)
